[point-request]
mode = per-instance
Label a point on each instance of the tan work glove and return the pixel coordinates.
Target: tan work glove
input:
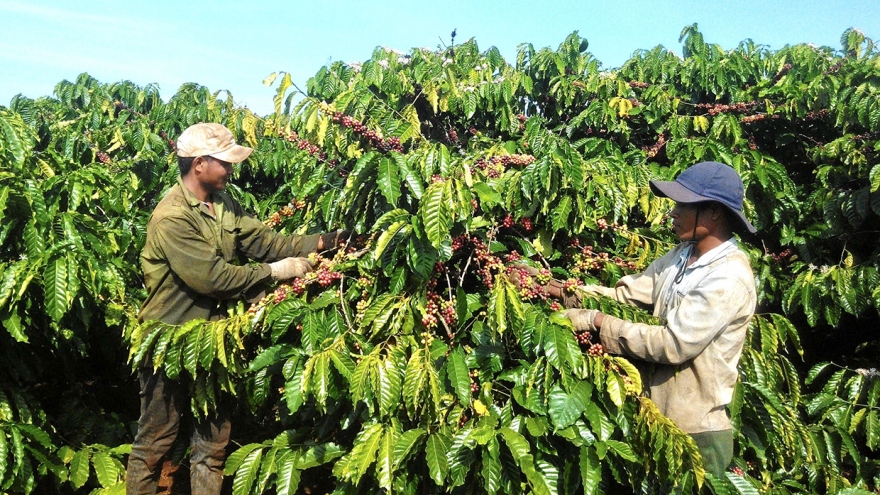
(291, 268)
(584, 320)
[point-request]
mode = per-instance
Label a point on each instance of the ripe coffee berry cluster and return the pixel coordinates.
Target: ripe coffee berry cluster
(171, 142)
(496, 165)
(460, 242)
(656, 147)
(782, 72)
(508, 221)
(834, 68)
(488, 264)
(303, 144)
(817, 115)
(325, 272)
(279, 294)
(752, 144)
(528, 289)
(781, 257)
(748, 119)
(638, 84)
(373, 137)
(103, 157)
(715, 109)
(584, 338)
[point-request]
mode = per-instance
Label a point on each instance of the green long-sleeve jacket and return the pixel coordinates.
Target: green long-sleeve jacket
(192, 260)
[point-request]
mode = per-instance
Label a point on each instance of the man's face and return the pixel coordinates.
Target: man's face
(684, 218)
(215, 174)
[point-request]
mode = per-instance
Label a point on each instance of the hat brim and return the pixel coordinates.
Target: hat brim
(235, 154)
(680, 194)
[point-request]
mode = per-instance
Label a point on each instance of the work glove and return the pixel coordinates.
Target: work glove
(332, 240)
(584, 320)
(291, 268)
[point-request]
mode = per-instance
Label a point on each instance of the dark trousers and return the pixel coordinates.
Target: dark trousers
(162, 403)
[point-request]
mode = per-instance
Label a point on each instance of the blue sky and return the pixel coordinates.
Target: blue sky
(234, 45)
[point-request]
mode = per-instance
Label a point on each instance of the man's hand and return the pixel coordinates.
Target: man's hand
(332, 240)
(291, 268)
(584, 320)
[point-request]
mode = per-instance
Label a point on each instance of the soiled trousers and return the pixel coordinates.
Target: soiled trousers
(162, 403)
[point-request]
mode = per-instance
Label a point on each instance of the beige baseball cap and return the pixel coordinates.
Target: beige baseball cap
(209, 139)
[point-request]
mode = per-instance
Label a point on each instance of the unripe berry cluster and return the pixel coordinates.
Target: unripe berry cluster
(586, 260)
(286, 211)
(571, 285)
(438, 308)
(544, 276)
(616, 227)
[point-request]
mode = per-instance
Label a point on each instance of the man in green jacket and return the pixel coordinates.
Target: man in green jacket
(197, 240)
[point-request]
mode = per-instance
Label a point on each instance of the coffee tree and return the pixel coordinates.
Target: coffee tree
(409, 362)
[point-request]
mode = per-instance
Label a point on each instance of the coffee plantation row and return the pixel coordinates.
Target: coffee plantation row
(409, 362)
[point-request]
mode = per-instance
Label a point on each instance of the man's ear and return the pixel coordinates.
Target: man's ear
(198, 164)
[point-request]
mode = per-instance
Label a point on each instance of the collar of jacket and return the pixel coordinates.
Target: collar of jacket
(191, 198)
(713, 254)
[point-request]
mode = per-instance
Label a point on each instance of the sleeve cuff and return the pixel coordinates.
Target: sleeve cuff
(609, 334)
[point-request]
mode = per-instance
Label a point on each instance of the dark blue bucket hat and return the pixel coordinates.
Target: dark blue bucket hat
(706, 181)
